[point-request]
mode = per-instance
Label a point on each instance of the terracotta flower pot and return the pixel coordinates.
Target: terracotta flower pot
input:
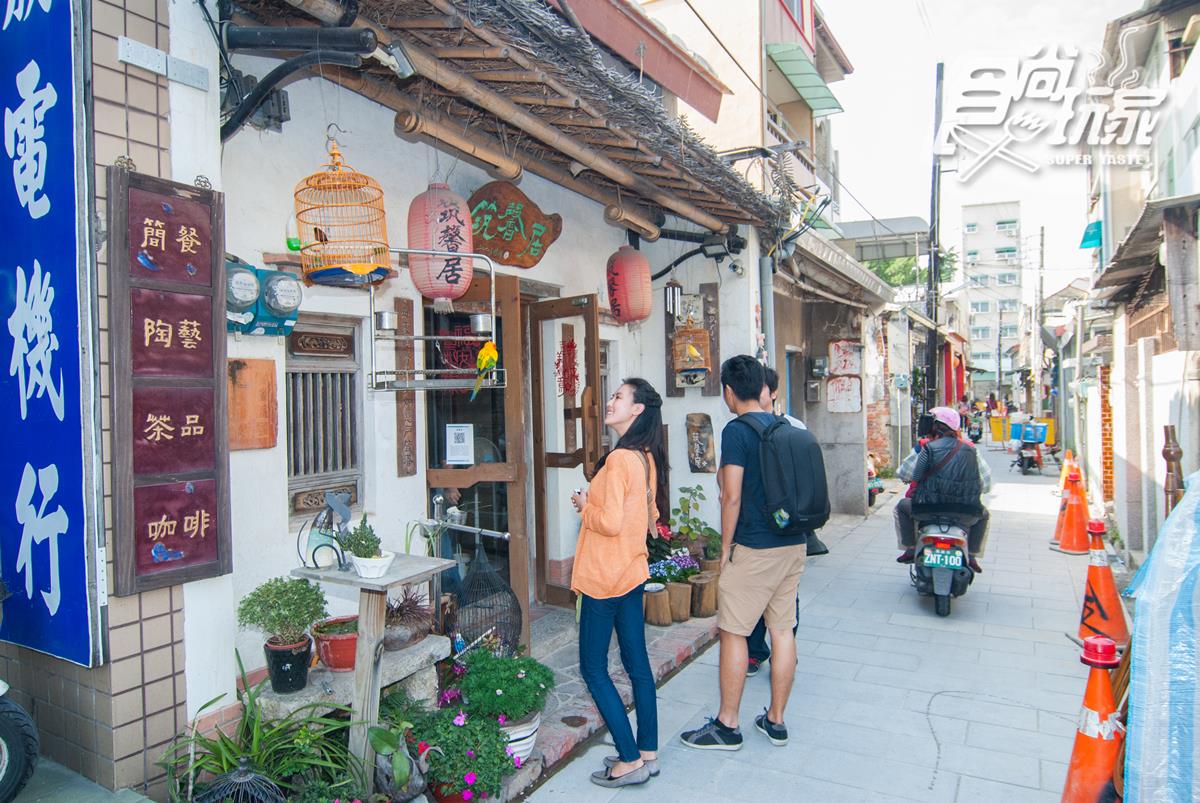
(447, 794)
(336, 650)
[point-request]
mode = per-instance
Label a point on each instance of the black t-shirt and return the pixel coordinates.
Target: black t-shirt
(739, 447)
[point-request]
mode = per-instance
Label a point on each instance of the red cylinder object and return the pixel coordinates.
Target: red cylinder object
(438, 220)
(629, 293)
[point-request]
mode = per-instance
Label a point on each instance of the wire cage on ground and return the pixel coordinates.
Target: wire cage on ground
(486, 603)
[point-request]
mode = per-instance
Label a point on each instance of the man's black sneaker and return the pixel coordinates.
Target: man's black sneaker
(753, 668)
(713, 735)
(777, 733)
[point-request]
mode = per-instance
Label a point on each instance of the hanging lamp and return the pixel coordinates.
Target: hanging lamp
(439, 220)
(629, 293)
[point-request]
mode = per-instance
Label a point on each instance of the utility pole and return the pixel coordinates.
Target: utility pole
(1039, 320)
(999, 329)
(931, 302)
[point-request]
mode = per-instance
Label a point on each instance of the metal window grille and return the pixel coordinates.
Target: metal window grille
(323, 406)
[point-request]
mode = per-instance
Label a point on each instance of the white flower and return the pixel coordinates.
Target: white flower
(541, 685)
(521, 674)
(499, 692)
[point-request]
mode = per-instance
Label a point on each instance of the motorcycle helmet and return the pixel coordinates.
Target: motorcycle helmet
(946, 416)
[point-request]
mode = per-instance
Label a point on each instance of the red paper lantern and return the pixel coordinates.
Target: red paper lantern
(439, 220)
(629, 294)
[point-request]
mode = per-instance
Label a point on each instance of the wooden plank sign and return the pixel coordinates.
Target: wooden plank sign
(253, 404)
(170, 428)
(509, 227)
(702, 452)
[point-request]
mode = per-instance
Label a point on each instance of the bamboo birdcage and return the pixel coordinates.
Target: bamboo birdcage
(342, 226)
(691, 352)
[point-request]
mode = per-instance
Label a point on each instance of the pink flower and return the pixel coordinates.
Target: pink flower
(459, 669)
(508, 751)
(461, 719)
(422, 747)
(502, 719)
(517, 762)
(469, 778)
(470, 754)
(467, 794)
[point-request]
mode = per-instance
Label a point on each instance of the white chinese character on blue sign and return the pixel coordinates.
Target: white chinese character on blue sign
(37, 527)
(23, 132)
(34, 342)
(20, 10)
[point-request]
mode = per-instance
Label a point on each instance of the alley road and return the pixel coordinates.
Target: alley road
(892, 702)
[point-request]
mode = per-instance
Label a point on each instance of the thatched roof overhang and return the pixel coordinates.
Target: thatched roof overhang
(514, 77)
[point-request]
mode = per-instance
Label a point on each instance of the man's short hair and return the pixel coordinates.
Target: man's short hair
(771, 380)
(744, 375)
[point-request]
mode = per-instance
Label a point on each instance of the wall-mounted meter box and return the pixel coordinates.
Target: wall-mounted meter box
(260, 301)
(819, 366)
(278, 304)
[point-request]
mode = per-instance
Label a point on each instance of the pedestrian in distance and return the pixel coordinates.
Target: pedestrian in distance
(619, 509)
(765, 523)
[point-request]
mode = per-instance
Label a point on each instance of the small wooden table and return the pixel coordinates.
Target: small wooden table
(372, 610)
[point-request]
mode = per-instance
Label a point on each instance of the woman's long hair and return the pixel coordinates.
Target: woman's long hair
(646, 434)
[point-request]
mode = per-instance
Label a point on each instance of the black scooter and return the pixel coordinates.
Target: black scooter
(975, 429)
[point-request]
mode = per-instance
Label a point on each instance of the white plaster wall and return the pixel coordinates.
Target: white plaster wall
(258, 171)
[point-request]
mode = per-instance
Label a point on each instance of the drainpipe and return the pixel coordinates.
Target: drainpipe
(766, 291)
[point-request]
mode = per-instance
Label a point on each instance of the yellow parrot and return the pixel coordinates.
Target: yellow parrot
(485, 363)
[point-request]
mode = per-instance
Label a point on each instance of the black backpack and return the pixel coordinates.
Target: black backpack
(793, 476)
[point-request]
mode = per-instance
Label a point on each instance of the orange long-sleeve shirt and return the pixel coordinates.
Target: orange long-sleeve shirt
(611, 556)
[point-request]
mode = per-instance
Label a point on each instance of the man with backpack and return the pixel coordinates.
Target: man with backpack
(773, 494)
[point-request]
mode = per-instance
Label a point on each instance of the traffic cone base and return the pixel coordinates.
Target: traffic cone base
(1102, 612)
(1099, 734)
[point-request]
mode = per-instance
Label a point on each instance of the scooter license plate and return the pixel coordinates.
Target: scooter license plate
(948, 558)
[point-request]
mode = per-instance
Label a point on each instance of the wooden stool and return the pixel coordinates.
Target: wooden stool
(681, 601)
(704, 594)
(658, 607)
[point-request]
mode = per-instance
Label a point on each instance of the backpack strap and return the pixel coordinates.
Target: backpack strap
(755, 424)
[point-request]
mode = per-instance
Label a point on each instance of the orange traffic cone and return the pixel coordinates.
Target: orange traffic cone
(1102, 613)
(1068, 461)
(1100, 733)
(1062, 518)
(1073, 539)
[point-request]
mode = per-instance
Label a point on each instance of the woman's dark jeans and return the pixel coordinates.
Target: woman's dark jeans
(597, 618)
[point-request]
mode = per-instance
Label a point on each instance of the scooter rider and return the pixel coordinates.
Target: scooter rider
(949, 477)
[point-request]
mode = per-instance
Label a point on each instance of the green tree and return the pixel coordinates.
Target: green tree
(900, 271)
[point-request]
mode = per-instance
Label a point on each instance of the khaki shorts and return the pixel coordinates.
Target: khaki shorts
(760, 583)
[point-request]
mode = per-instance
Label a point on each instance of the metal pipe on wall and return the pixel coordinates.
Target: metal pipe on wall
(766, 301)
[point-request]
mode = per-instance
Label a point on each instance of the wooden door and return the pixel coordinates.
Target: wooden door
(559, 455)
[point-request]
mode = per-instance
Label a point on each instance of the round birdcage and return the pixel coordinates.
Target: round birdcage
(341, 226)
(243, 784)
(487, 603)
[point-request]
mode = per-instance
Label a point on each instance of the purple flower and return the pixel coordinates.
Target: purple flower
(469, 778)
(470, 754)
(461, 719)
(467, 794)
(502, 719)
(459, 670)
(508, 751)
(517, 762)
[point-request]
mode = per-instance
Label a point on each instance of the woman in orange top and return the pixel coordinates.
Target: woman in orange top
(618, 510)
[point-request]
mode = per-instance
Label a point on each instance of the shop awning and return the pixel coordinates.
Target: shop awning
(1137, 254)
(1093, 235)
(804, 77)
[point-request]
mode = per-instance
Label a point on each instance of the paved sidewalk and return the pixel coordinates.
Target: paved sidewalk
(892, 702)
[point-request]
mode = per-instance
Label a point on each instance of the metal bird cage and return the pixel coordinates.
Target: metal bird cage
(342, 226)
(243, 784)
(488, 603)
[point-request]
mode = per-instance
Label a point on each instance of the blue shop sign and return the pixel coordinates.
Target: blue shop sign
(48, 557)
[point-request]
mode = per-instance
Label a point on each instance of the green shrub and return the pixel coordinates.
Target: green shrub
(283, 608)
(362, 542)
(687, 522)
(471, 755)
(509, 687)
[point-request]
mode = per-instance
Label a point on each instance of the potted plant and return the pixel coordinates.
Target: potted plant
(283, 608)
(408, 619)
(472, 756)
(369, 558)
(674, 572)
(512, 690)
(660, 547)
(337, 642)
(687, 522)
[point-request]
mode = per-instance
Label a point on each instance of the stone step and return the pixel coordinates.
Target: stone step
(555, 628)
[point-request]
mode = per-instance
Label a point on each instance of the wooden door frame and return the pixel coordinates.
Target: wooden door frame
(512, 471)
(588, 453)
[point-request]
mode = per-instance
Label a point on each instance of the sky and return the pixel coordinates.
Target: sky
(884, 137)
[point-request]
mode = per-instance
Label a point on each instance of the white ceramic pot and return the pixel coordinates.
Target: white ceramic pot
(372, 568)
(522, 735)
(650, 588)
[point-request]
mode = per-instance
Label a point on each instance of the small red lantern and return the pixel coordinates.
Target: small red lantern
(438, 220)
(629, 293)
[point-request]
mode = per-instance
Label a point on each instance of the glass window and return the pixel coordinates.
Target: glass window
(971, 228)
(1006, 225)
(979, 281)
(978, 357)
(980, 306)
(1008, 305)
(1006, 278)
(981, 332)
(1008, 330)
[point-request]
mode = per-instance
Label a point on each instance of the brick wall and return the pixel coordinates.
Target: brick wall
(1106, 433)
(879, 438)
(112, 723)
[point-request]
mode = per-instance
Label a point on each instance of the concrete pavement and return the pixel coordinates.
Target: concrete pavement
(892, 702)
